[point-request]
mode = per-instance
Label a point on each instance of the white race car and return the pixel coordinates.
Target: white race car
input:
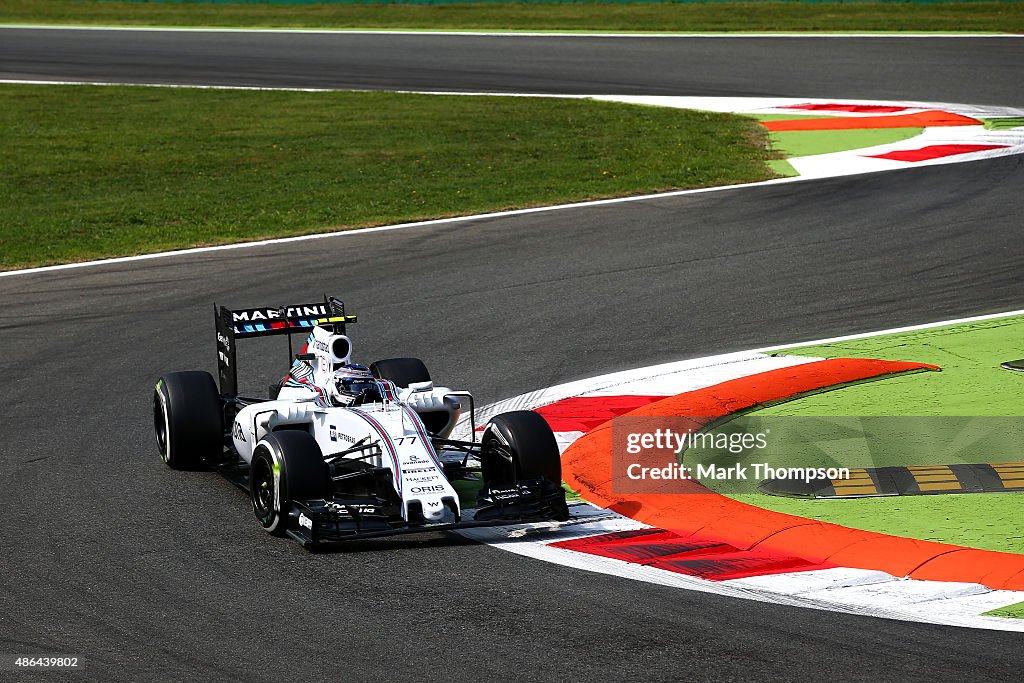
(342, 451)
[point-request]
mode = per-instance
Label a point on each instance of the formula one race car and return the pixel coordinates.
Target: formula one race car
(342, 451)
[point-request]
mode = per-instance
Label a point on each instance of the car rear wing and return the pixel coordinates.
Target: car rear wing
(246, 323)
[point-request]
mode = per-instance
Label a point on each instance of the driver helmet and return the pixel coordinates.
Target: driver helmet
(354, 382)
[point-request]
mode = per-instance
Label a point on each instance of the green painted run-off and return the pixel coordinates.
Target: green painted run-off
(971, 383)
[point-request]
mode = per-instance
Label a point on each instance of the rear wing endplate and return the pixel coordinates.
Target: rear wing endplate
(246, 323)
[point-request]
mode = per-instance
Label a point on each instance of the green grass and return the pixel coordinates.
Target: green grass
(92, 172)
(714, 16)
(971, 383)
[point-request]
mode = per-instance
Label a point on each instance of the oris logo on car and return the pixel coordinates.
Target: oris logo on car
(437, 488)
(353, 510)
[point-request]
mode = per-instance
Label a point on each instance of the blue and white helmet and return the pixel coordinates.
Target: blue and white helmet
(354, 383)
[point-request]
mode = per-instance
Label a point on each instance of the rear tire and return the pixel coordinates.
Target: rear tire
(401, 371)
(286, 466)
(519, 446)
(188, 419)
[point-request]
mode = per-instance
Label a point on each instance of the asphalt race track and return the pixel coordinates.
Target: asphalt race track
(149, 573)
(971, 70)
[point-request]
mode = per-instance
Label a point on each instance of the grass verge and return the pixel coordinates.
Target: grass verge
(94, 172)
(1005, 17)
(971, 383)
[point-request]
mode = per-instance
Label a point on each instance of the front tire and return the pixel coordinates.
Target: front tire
(517, 447)
(187, 418)
(286, 466)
